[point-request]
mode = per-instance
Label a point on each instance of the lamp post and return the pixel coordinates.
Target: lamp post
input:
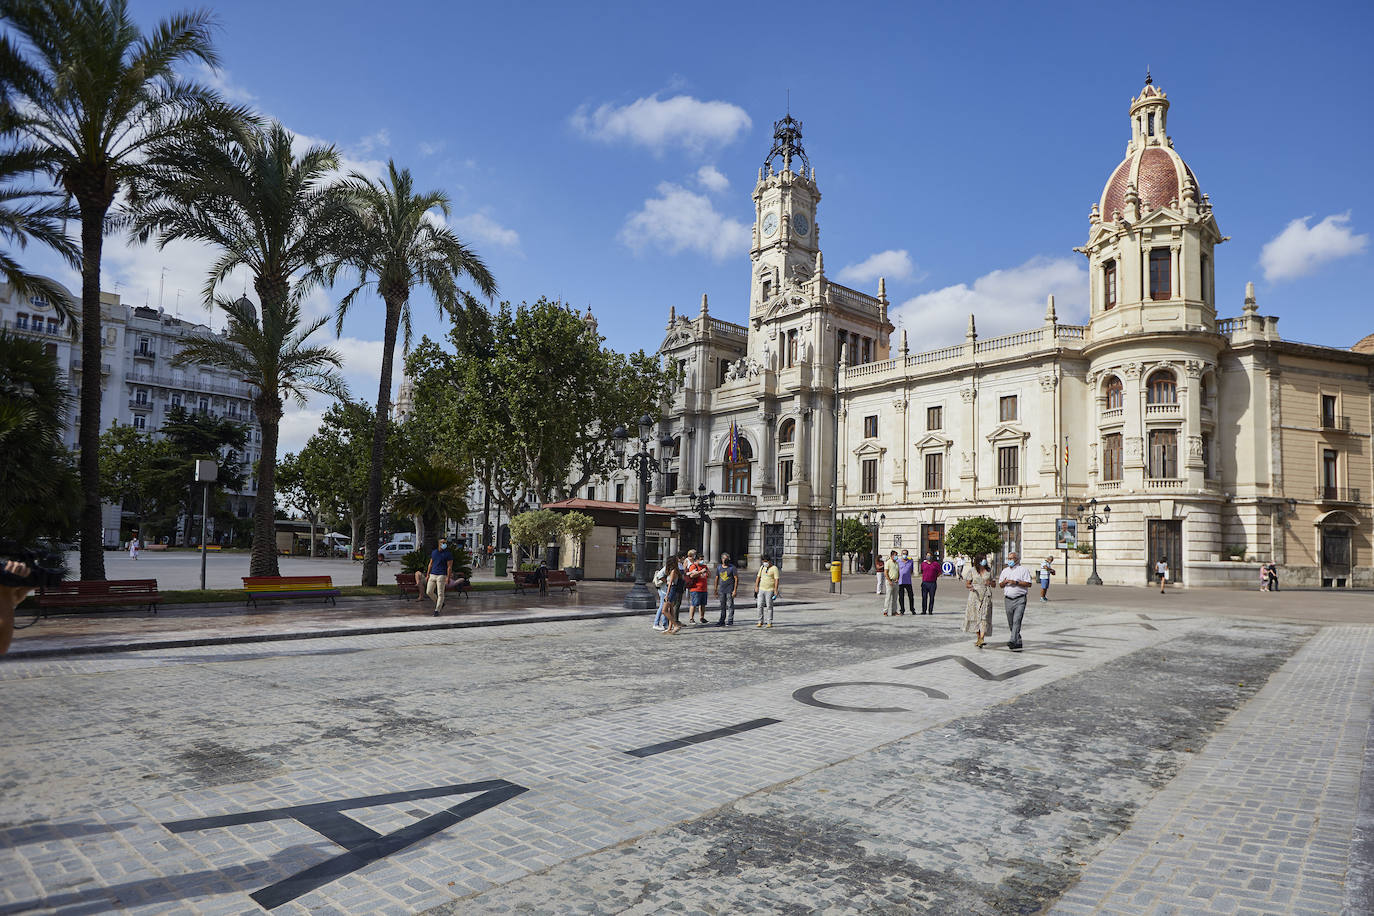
(702, 504)
(874, 523)
(1087, 515)
(835, 469)
(639, 597)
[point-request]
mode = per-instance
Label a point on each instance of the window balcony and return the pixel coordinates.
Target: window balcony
(933, 496)
(1161, 410)
(1165, 483)
(1111, 414)
(1338, 494)
(1335, 424)
(140, 405)
(1007, 491)
(1109, 485)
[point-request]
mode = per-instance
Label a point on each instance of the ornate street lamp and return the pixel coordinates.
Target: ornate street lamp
(639, 597)
(874, 523)
(1087, 515)
(702, 504)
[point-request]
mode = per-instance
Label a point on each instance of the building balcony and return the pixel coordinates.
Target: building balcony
(140, 405)
(1111, 415)
(936, 495)
(1161, 410)
(1165, 483)
(1007, 491)
(77, 365)
(1109, 485)
(1338, 494)
(1335, 424)
(148, 355)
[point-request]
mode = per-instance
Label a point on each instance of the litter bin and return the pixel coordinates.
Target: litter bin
(501, 558)
(835, 571)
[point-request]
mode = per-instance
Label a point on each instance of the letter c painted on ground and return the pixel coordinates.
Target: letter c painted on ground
(807, 695)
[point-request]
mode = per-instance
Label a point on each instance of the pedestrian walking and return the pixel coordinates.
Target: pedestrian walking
(1046, 570)
(698, 588)
(133, 546)
(978, 610)
(1015, 583)
(677, 584)
(1162, 573)
(727, 584)
(881, 584)
(905, 568)
(930, 578)
(541, 575)
(766, 590)
(440, 570)
(661, 583)
(890, 596)
(1264, 577)
(1273, 576)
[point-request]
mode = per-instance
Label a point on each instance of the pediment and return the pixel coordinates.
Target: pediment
(786, 303)
(1164, 216)
(677, 337)
(869, 448)
(933, 441)
(1005, 432)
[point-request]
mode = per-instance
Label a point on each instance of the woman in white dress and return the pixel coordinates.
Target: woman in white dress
(978, 611)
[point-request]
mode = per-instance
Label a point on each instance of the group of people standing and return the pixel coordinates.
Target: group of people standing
(691, 576)
(896, 576)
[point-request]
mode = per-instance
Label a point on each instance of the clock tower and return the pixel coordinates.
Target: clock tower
(786, 237)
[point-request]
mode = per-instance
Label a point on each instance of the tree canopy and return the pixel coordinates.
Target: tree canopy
(974, 537)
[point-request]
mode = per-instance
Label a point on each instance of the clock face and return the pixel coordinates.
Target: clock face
(770, 224)
(800, 224)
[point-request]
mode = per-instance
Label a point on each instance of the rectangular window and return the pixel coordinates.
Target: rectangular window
(1161, 280)
(1006, 408)
(204, 405)
(866, 351)
(1328, 410)
(140, 421)
(1207, 456)
(935, 418)
(141, 396)
(1329, 473)
(53, 325)
(1007, 465)
(1109, 285)
(21, 321)
(144, 343)
(1150, 124)
(935, 471)
(791, 348)
(591, 492)
(620, 492)
(1204, 268)
(767, 290)
(871, 427)
(176, 399)
(785, 478)
(870, 475)
(1111, 457)
(722, 367)
(1164, 454)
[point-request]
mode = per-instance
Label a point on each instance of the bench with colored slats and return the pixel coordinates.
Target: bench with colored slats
(102, 593)
(271, 588)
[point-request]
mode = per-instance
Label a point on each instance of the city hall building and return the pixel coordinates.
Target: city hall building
(1208, 437)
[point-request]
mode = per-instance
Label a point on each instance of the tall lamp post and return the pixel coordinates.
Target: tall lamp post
(1087, 515)
(639, 597)
(874, 523)
(702, 504)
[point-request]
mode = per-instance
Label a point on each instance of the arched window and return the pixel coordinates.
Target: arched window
(787, 433)
(737, 474)
(1113, 394)
(1162, 388)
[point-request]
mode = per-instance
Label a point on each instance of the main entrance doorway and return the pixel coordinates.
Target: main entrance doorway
(773, 546)
(1335, 556)
(933, 540)
(734, 540)
(1164, 538)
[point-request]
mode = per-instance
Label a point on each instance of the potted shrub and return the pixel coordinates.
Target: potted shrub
(577, 525)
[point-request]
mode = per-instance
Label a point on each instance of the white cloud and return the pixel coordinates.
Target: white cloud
(1001, 301)
(681, 220)
(1300, 249)
(380, 139)
(894, 265)
(657, 123)
(479, 227)
(710, 178)
(221, 82)
(429, 149)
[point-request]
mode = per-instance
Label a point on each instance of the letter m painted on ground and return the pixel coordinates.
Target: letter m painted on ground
(976, 669)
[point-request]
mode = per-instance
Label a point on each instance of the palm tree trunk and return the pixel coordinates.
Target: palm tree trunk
(92, 526)
(379, 431)
(264, 558)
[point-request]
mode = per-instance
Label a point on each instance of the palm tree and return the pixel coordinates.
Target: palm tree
(435, 492)
(29, 213)
(36, 477)
(393, 239)
(246, 194)
(87, 93)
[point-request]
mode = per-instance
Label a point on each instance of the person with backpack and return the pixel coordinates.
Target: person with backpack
(661, 583)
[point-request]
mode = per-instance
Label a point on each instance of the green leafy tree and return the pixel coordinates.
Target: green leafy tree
(391, 239)
(132, 475)
(246, 194)
(86, 94)
(534, 529)
(434, 492)
(39, 496)
(973, 537)
(855, 538)
(577, 525)
(295, 488)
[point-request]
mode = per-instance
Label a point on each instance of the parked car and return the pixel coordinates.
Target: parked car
(394, 551)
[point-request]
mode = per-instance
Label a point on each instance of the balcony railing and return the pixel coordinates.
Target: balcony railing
(140, 405)
(1164, 410)
(1340, 424)
(1338, 494)
(933, 496)
(1109, 485)
(1165, 483)
(1111, 413)
(1007, 491)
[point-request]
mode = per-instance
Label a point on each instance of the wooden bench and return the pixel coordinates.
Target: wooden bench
(556, 579)
(264, 588)
(102, 593)
(405, 583)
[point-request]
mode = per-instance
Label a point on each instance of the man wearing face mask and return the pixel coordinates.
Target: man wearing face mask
(440, 571)
(905, 568)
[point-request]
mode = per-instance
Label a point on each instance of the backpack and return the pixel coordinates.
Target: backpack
(660, 580)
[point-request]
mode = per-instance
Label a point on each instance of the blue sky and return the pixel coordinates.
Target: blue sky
(963, 144)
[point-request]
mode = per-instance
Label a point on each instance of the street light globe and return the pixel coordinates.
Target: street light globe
(646, 426)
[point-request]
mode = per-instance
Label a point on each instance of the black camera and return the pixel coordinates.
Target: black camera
(45, 568)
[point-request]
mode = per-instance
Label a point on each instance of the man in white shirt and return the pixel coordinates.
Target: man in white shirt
(1015, 582)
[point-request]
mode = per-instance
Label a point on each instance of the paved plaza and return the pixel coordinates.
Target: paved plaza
(1200, 752)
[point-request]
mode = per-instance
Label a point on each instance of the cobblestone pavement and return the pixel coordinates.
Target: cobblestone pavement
(839, 762)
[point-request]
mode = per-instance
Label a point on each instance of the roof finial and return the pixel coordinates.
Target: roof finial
(1148, 78)
(972, 333)
(1050, 316)
(704, 309)
(1250, 304)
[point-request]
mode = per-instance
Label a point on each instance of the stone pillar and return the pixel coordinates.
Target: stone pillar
(716, 539)
(901, 457)
(1132, 428)
(1050, 446)
(1193, 470)
(968, 435)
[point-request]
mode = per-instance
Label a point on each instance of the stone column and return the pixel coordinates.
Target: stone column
(716, 539)
(968, 452)
(1192, 424)
(1050, 445)
(1132, 428)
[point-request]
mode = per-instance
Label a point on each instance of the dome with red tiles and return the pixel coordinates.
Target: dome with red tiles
(1158, 174)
